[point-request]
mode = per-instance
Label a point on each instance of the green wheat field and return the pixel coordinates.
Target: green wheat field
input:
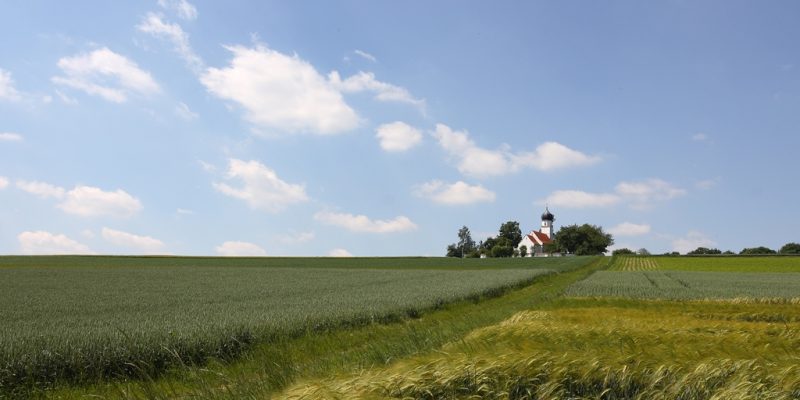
(395, 328)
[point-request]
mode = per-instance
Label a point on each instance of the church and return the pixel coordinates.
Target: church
(535, 241)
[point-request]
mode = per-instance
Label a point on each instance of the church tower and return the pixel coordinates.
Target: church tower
(547, 223)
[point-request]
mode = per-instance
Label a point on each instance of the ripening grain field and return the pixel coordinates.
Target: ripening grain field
(76, 319)
(708, 263)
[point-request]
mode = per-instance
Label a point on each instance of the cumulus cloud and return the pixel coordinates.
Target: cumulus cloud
(398, 136)
(365, 55)
(639, 195)
(580, 199)
(475, 161)
(106, 74)
(10, 137)
(183, 8)
(260, 186)
(691, 241)
(240, 249)
(42, 242)
(7, 90)
(339, 253)
(630, 229)
(124, 239)
(183, 111)
(361, 223)
(366, 82)
(3, 182)
(154, 25)
(88, 201)
(644, 193)
(458, 193)
(41, 189)
(281, 92)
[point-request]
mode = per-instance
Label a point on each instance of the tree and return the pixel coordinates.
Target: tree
(510, 230)
(623, 251)
(465, 247)
(523, 251)
(728, 252)
(643, 252)
(757, 250)
(583, 240)
(704, 251)
(790, 248)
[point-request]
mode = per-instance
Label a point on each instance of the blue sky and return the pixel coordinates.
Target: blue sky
(380, 128)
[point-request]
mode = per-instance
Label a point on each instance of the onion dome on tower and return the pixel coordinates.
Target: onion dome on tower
(547, 216)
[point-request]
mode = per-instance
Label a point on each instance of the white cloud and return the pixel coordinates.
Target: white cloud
(339, 253)
(297, 238)
(183, 8)
(70, 101)
(3, 182)
(240, 249)
(88, 201)
(154, 25)
(478, 162)
(580, 199)
(549, 156)
(366, 82)
(455, 193)
(7, 90)
(183, 111)
(41, 189)
(398, 136)
(261, 187)
(700, 137)
(644, 193)
(365, 55)
(124, 239)
(692, 241)
(106, 74)
(361, 223)
(41, 242)
(281, 92)
(10, 137)
(630, 229)
(639, 195)
(183, 211)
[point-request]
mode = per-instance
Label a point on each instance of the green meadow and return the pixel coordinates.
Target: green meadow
(397, 328)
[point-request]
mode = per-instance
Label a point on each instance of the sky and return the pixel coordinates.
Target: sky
(378, 128)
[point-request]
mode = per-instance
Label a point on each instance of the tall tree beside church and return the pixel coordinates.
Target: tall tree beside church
(505, 243)
(510, 230)
(465, 247)
(583, 240)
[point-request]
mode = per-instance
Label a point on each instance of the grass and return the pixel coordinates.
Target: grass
(708, 263)
(81, 319)
(557, 263)
(683, 285)
(271, 366)
(610, 349)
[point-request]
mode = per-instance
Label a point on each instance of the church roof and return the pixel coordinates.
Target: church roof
(539, 237)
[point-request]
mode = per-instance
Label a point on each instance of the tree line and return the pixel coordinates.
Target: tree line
(579, 240)
(788, 248)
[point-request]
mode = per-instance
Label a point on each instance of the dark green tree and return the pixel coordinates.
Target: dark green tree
(757, 250)
(583, 240)
(704, 251)
(790, 248)
(510, 230)
(623, 251)
(523, 251)
(643, 252)
(465, 247)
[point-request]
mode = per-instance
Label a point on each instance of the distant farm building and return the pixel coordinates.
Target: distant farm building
(535, 241)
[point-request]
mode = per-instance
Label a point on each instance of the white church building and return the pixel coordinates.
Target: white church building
(535, 241)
